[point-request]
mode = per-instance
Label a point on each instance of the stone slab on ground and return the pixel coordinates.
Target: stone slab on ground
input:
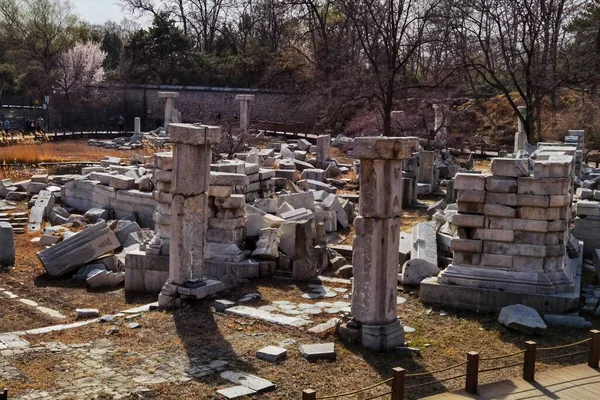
(272, 354)
(250, 381)
(567, 321)
(236, 391)
(250, 312)
(320, 351)
(522, 318)
(325, 326)
(7, 247)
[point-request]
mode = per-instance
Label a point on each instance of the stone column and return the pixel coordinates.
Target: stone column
(426, 170)
(171, 113)
(521, 135)
(244, 100)
(323, 145)
(137, 126)
(375, 257)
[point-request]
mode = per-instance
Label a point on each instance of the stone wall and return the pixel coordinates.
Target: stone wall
(512, 228)
(201, 104)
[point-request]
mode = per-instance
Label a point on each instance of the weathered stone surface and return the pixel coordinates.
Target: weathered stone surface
(522, 318)
(500, 184)
(497, 235)
(384, 148)
(79, 249)
(84, 313)
(278, 319)
(567, 321)
(121, 182)
(510, 167)
(497, 210)
(553, 168)
(250, 381)
(235, 392)
(466, 245)
(95, 214)
(415, 270)
(375, 261)
(468, 220)
(321, 351)
(272, 354)
(464, 181)
(471, 196)
(267, 244)
(7, 245)
(191, 170)
(194, 134)
(305, 263)
(544, 187)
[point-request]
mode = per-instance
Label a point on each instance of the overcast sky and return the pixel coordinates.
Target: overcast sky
(99, 11)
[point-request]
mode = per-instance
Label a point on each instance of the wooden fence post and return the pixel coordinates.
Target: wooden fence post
(529, 366)
(398, 384)
(4, 395)
(472, 372)
(309, 394)
(594, 353)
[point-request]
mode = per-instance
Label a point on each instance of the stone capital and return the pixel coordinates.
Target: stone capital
(245, 97)
(385, 148)
(167, 95)
(193, 134)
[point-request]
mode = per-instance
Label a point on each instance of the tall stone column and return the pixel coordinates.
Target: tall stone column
(190, 211)
(521, 135)
(137, 126)
(171, 113)
(323, 146)
(244, 100)
(375, 258)
(426, 170)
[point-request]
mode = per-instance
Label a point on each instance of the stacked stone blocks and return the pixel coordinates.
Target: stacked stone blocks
(511, 223)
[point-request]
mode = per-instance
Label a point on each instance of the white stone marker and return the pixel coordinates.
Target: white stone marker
(137, 126)
(521, 135)
(244, 100)
(323, 145)
(375, 257)
(171, 113)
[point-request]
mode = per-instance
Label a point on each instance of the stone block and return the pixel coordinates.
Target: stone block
(497, 260)
(468, 220)
(587, 208)
(525, 263)
(514, 249)
(267, 244)
(534, 238)
(191, 170)
(470, 196)
(272, 354)
(384, 148)
(461, 258)
(532, 213)
(518, 224)
(466, 245)
(523, 319)
(464, 181)
(553, 168)
(560, 200)
(332, 203)
(234, 201)
(299, 200)
(505, 199)
(320, 351)
(496, 235)
(471, 208)
(121, 182)
(194, 134)
(305, 263)
(529, 200)
(498, 210)
(544, 187)
(510, 167)
(7, 249)
(228, 179)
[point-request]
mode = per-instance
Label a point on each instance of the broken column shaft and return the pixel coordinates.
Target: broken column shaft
(375, 257)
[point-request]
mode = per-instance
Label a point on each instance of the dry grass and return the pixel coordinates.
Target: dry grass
(71, 150)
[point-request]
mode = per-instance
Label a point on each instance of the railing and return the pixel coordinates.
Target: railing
(295, 129)
(472, 370)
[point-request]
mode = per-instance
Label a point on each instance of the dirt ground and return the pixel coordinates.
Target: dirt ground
(199, 333)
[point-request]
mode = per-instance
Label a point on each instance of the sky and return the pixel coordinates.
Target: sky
(99, 11)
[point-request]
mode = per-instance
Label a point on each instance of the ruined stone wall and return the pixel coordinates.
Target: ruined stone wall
(513, 227)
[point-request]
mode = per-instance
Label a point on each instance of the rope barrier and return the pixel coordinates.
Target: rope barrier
(504, 356)
(436, 381)
(562, 355)
(563, 347)
(356, 391)
(503, 367)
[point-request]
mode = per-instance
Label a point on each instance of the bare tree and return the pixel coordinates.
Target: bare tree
(390, 33)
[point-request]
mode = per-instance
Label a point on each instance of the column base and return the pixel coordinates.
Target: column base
(382, 338)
